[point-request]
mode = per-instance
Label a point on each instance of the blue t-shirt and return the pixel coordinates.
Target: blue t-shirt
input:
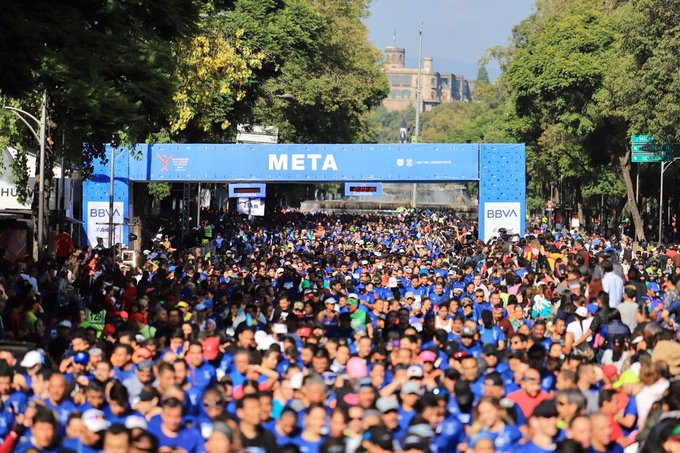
(503, 440)
(449, 433)
(63, 411)
(201, 377)
(631, 409)
(21, 448)
(188, 439)
(492, 335)
(307, 446)
(6, 422)
(77, 445)
(281, 440)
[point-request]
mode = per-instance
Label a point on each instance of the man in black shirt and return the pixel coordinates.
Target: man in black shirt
(253, 437)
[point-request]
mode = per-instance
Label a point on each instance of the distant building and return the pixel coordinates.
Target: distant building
(436, 87)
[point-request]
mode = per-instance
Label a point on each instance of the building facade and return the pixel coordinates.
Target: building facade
(436, 87)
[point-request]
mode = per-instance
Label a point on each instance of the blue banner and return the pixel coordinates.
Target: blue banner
(306, 163)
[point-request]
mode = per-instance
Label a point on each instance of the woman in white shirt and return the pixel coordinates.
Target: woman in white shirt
(582, 323)
(443, 321)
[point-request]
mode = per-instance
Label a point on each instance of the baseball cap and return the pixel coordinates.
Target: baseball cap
(415, 371)
(467, 332)
(353, 301)
(95, 421)
(182, 304)
(409, 295)
(582, 312)
(609, 370)
(304, 332)
(81, 358)
(410, 388)
(380, 437)
(31, 359)
(490, 349)
(545, 409)
(298, 306)
(145, 365)
(428, 356)
(65, 324)
(279, 328)
(135, 421)
(592, 308)
(628, 377)
(387, 404)
(211, 348)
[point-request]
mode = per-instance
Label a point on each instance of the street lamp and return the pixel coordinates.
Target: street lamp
(41, 140)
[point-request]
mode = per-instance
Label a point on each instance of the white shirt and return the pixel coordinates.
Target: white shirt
(612, 284)
(578, 329)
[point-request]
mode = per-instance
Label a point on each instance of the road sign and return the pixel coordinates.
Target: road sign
(650, 148)
(651, 157)
(641, 139)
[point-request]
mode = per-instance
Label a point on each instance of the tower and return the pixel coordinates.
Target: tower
(395, 57)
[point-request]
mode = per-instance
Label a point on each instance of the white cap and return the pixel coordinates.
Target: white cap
(279, 328)
(582, 312)
(414, 371)
(94, 420)
(135, 421)
(31, 359)
(66, 324)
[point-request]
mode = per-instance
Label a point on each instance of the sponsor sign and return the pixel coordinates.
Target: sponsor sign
(97, 221)
(501, 215)
(308, 163)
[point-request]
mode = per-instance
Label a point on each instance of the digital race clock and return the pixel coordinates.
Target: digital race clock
(247, 190)
(363, 189)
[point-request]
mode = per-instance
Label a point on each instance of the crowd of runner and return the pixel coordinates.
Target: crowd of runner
(344, 333)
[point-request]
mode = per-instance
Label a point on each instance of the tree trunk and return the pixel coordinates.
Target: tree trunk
(624, 163)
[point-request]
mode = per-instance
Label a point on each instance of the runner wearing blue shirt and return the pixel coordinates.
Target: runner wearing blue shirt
(44, 436)
(200, 373)
(170, 432)
(311, 437)
(58, 400)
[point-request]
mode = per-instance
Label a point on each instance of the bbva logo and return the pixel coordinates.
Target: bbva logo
(501, 213)
(104, 213)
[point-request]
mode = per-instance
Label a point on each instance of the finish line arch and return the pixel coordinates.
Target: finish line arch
(499, 168)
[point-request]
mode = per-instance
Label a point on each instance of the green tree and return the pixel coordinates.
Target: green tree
(330, 90)
(556, 73)
(482, 76)
(106, 68)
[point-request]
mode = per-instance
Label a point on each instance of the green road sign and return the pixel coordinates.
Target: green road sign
(651, 157)
(641, 139)
(650, 148)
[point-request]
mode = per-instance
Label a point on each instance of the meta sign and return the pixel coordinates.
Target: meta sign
(499, 168)
(306, 163)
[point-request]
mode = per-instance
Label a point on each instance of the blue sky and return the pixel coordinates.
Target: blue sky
(456, 33)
